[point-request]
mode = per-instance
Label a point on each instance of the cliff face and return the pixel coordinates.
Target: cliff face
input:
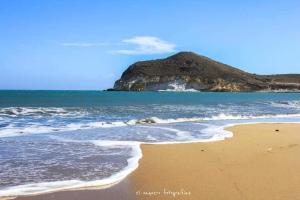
(189, 71)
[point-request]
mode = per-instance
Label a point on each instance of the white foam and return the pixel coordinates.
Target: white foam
(287, 104)
(157, 120)
(180, 135)
(44, 187)
(15, 111)
(220, 116)
(111, 143)
(223, 116)
(217, 133)
(11, 131)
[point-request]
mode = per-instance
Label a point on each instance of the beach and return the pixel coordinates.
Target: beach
(259, 162)
(149, 100)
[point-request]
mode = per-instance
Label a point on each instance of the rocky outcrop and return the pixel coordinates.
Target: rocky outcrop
(187, 71)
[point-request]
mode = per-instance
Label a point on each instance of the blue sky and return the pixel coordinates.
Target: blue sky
(86, 44)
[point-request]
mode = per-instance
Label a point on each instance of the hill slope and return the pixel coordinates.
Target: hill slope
(189, 71)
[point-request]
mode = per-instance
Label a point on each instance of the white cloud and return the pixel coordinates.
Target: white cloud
(147, 45)
(83, 44)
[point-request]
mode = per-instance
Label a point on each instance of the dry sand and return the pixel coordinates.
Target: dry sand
(257, 163)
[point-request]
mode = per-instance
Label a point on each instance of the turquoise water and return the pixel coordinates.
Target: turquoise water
(11, 98)
(52, 140)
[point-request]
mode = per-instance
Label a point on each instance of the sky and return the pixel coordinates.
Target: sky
(87, 44)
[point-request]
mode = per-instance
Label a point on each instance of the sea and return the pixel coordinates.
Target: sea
(57, 140)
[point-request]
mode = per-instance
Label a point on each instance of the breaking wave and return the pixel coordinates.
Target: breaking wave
(44, 187)
(11, 130)
(174, 122)
(287, 104)
(27, 111)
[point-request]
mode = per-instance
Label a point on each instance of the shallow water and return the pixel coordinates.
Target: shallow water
(51, 140)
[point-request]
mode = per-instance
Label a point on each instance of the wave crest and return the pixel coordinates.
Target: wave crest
(11, 130)
(287, 104)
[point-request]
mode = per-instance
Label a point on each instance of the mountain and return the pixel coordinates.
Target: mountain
(187, 71)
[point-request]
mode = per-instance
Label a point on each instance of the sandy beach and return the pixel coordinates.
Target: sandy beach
(260, 161)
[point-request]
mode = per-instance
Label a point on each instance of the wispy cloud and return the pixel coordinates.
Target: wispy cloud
(83, 44)
(146, 45)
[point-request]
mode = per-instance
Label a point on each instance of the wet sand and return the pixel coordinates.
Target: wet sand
(257, 163)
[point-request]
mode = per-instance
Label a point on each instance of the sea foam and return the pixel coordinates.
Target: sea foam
(217, 133)
(12, 131)
(44, 187)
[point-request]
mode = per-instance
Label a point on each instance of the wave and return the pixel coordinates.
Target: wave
(29, 110)
(40, 111)
(287, 104)
(218, 133)
(180, 134)
(86, 111)
(132, 163)
(44, 187)
(12, 131)
(221, 116)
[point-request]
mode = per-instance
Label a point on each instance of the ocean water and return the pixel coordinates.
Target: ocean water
(53, 140)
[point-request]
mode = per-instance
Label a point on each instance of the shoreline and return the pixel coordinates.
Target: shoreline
(132, 177)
